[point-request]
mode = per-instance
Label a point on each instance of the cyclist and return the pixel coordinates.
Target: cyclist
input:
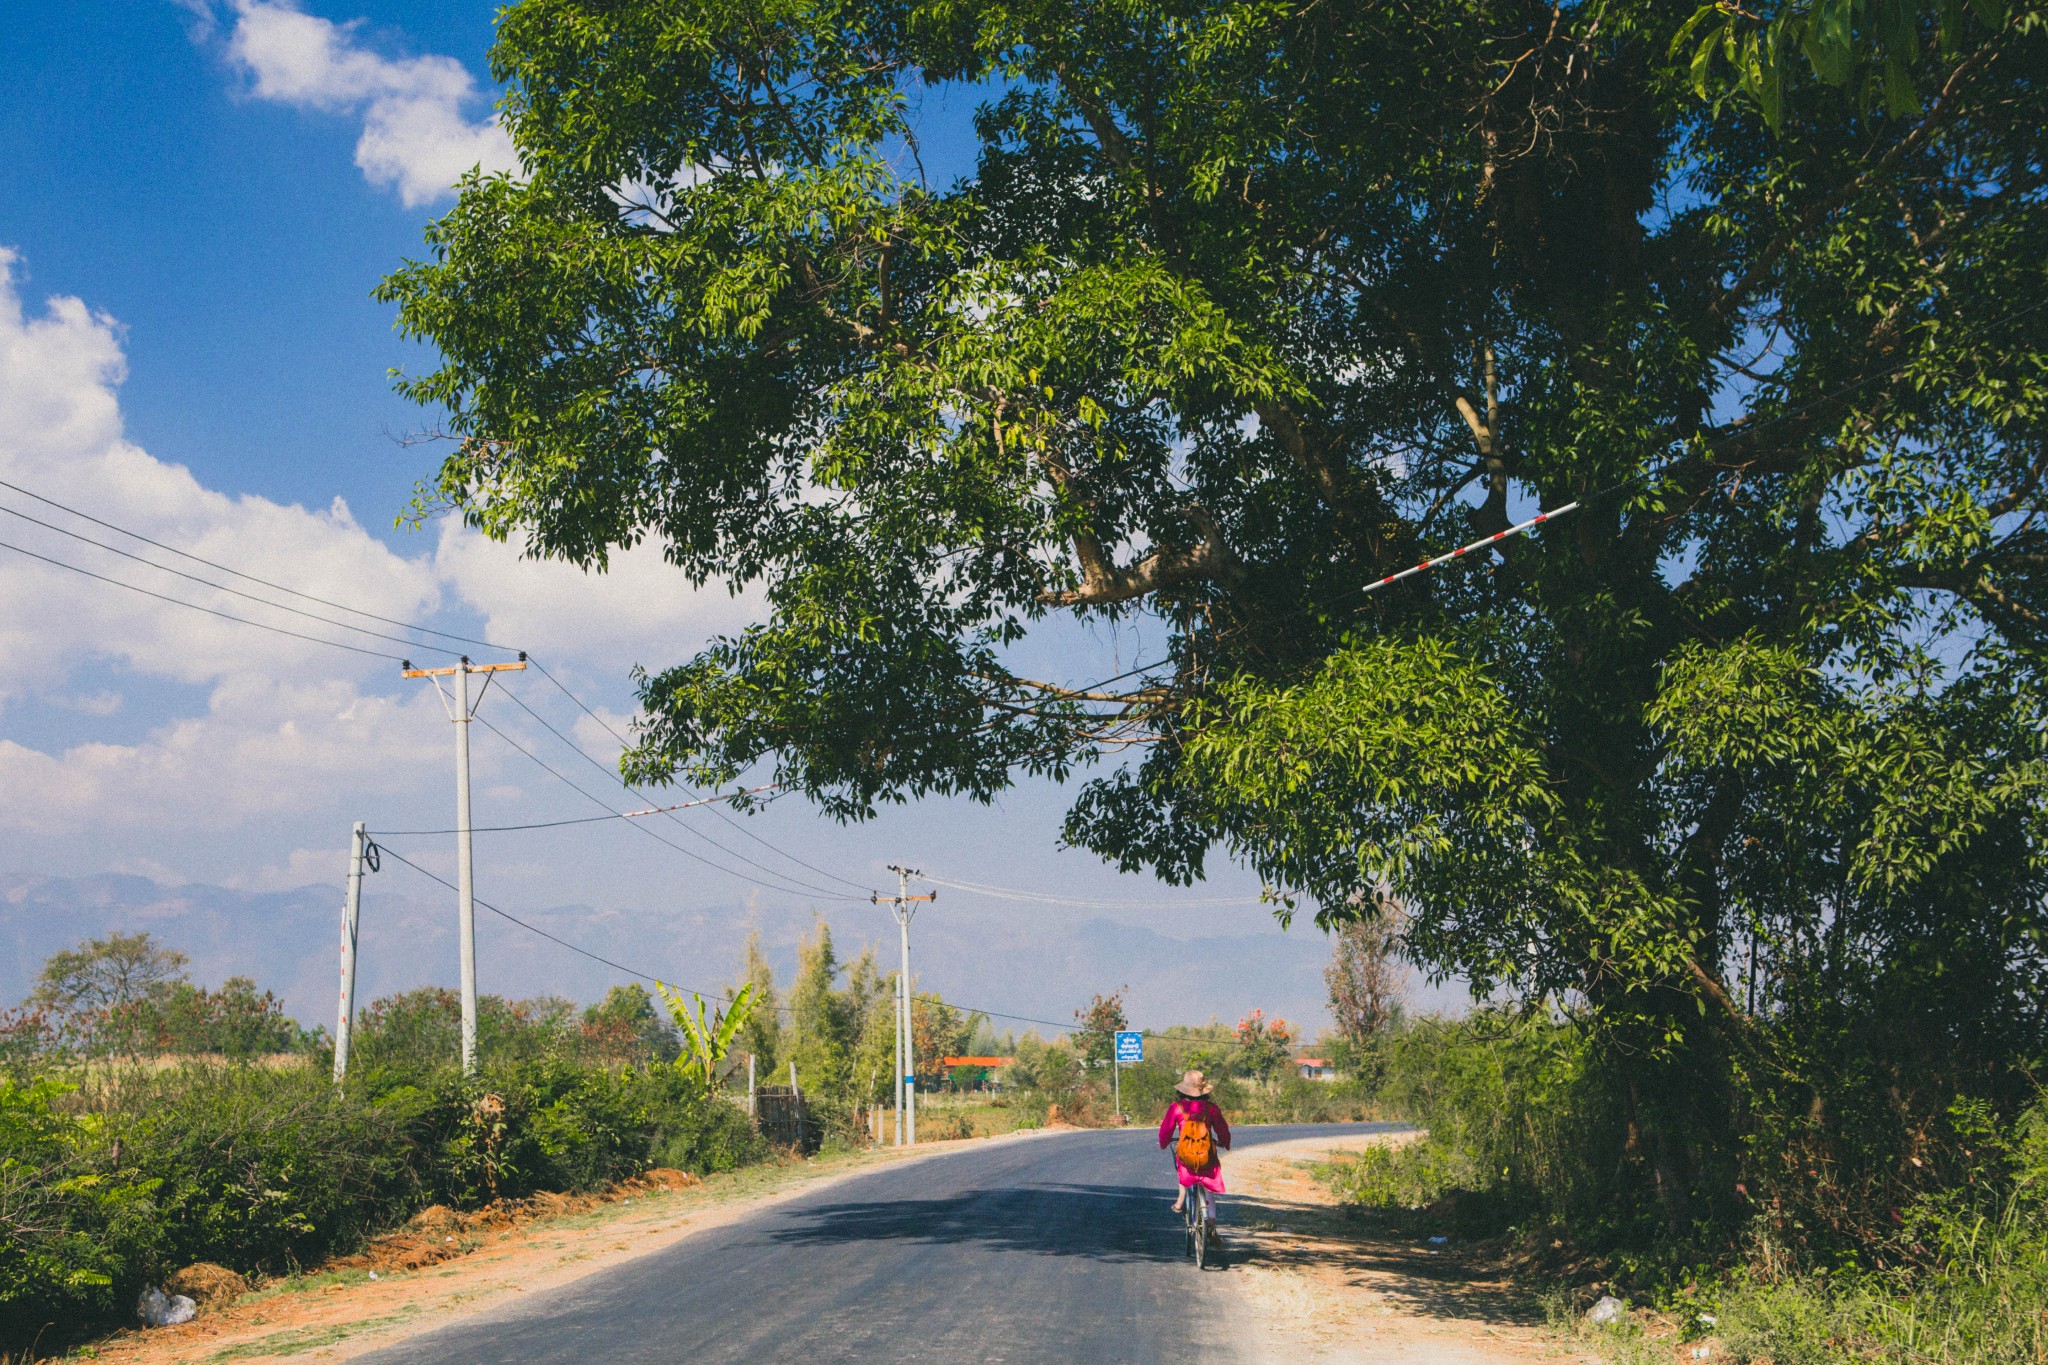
(1193, 1122)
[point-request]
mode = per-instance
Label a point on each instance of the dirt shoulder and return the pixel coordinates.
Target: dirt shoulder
(425, 1278)
(1323, 1289)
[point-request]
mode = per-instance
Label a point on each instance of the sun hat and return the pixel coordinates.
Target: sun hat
(1193, 1086)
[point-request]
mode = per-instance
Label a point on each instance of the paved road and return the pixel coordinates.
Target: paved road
(1056, 1248)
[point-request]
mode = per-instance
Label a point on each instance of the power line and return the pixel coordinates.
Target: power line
(1046, 898)
(611, 773)
(780, 852)
(579, 820)
(797, 889)
(222, 587)
(194, 606)
(186, 554)
(643, 976)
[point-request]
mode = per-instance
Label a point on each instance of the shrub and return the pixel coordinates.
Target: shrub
(69, 1237)
(261, 1169)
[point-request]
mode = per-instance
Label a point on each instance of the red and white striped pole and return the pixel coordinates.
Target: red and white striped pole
(1428, 564)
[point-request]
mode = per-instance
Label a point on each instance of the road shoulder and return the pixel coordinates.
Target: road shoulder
(341, 1313)
(1321, 1290)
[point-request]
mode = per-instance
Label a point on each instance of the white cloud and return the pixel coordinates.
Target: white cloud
(417, 138)
(640, 602)
(288, 728)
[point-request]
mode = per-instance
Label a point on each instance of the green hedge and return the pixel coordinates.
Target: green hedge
(264, 1170)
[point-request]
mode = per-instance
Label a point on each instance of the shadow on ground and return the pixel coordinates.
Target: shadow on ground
(1111, 1223)
(1458, 1284)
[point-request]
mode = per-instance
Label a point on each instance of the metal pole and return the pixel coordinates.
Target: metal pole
(753, 1114)
(796, 1097)
(900, 1011)
(1116, 1072)
(351, 916)
(465, 872)
(903, 913)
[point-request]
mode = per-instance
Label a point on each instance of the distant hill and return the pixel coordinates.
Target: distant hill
(1025, 961)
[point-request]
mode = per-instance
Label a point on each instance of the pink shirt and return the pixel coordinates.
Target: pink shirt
(1169, 1129)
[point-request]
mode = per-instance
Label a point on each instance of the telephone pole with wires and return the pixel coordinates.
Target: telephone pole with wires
(361, 853)
(462, 710)
(903, 906)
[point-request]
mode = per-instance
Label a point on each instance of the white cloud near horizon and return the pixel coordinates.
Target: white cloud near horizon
(286, 726)
(417, 138)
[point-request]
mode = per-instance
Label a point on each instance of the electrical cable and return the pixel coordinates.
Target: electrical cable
(643, 976)
(580, 820)
(186, 554)
(222, 587)
(542, 721)
(1046, 898)
(624, 744)
(194, 606)
(797, 889)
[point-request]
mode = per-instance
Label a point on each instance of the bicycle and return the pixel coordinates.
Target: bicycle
(1200, 1213)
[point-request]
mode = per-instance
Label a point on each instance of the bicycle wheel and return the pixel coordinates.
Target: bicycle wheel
(1198, 1233)
(1188, 1215)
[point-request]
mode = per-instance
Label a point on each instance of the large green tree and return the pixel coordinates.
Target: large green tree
(1246, 306)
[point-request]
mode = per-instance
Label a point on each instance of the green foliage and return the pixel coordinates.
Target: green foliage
(270, 1168)
(82, 987)
(1887, 51)
(1262, 1046)
(626, 1027)
(68, 1234)
(761, 1037)
(235, 1021)
(1241, 311)
(937, 1031)
(1096, 1027)
(706, 1039)
(822, 1018)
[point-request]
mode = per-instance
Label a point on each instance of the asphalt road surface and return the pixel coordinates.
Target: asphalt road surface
(1054, 1248)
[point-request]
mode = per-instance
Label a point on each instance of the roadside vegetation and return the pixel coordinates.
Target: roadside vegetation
(1843, 1242)
(148, 1123)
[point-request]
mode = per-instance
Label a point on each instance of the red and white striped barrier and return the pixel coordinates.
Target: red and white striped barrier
(1516, 530)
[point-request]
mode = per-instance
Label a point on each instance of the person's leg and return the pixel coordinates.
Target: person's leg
(1180, 1192)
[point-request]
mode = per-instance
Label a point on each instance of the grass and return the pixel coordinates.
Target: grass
(297, 1340)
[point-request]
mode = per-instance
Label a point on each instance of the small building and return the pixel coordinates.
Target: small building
(975, 1073)
(1315, 1068)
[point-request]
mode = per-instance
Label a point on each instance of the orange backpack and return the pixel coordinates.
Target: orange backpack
(1196, 1148)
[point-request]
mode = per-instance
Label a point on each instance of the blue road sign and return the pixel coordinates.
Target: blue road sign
(1130, 1047)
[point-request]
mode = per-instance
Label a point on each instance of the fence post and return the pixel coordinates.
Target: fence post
(753, 1114)
(797, 1096)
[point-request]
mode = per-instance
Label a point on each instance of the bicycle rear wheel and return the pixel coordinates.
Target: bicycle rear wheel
(1198, 1230)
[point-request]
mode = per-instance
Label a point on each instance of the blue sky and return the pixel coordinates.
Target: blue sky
(196, 200)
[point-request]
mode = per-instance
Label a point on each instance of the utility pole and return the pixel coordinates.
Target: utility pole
(462, 712)
(903, 906)
(351, 916)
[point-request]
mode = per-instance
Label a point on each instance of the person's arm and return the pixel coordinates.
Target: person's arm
(1168, 1124)
(1222, 1127)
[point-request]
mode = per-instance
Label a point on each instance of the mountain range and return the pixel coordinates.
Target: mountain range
(1029, 967)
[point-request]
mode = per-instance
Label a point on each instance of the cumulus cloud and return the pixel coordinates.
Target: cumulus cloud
(286, 725)
(418, 138)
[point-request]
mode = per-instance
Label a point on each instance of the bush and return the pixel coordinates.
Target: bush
(270, 1170)
(261, 1169)
(69, 1237)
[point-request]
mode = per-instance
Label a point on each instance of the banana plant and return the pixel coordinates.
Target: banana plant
(707, 1033)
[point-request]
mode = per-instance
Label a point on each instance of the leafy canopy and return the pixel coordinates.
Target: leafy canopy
(1247, 305)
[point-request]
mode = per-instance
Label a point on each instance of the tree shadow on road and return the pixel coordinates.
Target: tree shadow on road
(1452, 1283)
(1112, 1223)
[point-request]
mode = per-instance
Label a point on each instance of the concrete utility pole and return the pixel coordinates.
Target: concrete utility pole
(351, 916)
(462, 712)
(903, 906)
